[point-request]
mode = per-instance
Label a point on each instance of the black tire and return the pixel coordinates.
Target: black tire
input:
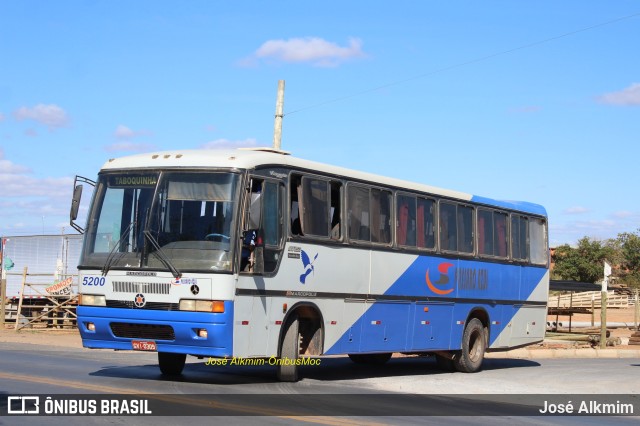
(372, 359)
(171, 364)
(474, 344)
(289, 352)
(444, 363)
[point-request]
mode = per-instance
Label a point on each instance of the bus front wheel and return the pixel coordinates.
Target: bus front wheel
(289, 352)
(474, 344)
(171, 364)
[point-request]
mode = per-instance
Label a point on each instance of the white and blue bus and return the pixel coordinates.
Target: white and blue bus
(260, 255)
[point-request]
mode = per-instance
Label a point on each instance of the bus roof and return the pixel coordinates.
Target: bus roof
(248, 159)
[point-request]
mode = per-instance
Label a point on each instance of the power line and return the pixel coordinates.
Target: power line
(465, 63)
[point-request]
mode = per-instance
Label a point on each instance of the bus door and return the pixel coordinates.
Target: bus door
(262, 238)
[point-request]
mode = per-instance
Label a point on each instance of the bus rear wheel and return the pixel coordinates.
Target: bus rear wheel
(474, 344)
(374, 359)
(171, 364)
(289, 351)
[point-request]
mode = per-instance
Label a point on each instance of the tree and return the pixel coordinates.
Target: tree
(585, 262)
(628, 269)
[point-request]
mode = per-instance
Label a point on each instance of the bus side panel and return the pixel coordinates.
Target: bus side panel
(252, 326)
(351, 339)
(528, 325)
(525, 323)
(500, 330)
(431, 326)
(384, 327)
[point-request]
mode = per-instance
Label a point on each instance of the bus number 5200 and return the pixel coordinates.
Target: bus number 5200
(95, 281)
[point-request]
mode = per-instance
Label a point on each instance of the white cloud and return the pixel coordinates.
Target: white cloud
(314, 50)
(51, 116)
(25, 199)
(127, 146)
(9, 168)
(124, 136)
(576, 210)
(229, 144)
(628, 96)
(624, 214)
(124, 132)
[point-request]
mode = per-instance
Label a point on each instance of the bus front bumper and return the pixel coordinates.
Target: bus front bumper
(171, 331)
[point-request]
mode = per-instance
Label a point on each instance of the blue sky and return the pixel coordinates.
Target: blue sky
(453, 94)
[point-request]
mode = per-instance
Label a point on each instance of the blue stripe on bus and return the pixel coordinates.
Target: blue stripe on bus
(438, 324)
(522, 206)
(219, 326)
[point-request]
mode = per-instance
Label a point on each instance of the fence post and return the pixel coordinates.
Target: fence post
(24, 280)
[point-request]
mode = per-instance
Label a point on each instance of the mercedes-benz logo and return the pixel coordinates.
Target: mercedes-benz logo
(139, 300)
(195, 289)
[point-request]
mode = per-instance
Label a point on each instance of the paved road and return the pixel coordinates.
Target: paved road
(29, 369)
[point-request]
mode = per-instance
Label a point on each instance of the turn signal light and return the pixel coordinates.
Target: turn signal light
(215, 306)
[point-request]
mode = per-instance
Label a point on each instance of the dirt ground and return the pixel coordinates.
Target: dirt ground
(46, 337)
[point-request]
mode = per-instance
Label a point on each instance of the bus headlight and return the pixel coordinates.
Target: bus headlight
(92, 300)
(215, 306)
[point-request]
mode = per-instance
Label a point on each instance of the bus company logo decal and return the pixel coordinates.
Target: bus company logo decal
(463, 279)
(443, 268)
(184, 281)
(307, 263)
(139, 301)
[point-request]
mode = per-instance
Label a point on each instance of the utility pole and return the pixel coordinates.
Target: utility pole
(277, 127)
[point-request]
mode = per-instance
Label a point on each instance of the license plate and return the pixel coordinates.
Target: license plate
(144, 345)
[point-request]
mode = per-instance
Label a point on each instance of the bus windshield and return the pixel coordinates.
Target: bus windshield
(177, 221)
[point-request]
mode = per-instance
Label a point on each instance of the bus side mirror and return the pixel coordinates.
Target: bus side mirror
(75, 201)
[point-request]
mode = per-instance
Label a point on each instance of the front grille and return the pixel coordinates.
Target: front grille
(142, 331)
(154, 306)
(141, 287)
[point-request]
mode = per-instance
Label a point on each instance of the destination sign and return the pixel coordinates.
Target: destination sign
(133, 181)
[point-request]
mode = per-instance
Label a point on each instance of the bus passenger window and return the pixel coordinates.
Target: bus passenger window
(380, 216)
(465, 229)
(448, 230)
(500, 234)
(485, 232)
(358, 207)
(538, 241)
(426, 223)
(519, 228)
(406, 221)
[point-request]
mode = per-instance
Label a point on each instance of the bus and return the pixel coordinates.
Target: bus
(256, 255)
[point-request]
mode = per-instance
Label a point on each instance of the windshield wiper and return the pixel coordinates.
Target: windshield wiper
(112, 252)
(163, 257)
